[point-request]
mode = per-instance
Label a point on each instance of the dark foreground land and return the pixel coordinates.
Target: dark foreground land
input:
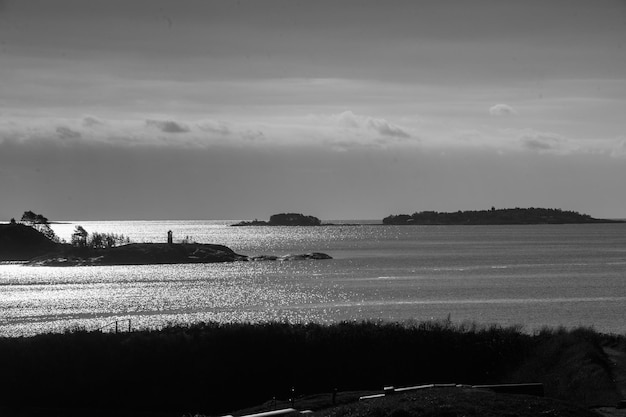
(213, 369)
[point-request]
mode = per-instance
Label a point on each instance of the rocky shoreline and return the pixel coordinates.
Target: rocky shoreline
(157, 253)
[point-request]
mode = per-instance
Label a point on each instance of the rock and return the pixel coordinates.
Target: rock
(157, 253)
(263, 258)
(141, 254)
(305, 256)
(301, 257)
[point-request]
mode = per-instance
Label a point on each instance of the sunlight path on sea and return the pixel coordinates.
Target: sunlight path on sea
(566, 275)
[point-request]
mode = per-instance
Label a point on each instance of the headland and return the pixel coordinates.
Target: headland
(19, 242)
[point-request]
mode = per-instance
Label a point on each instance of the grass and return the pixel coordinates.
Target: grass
(212, 368)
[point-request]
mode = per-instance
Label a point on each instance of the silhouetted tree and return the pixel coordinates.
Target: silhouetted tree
(32, 218)
(40, 223)
(106, 240)
(79, 237)
(83, 239)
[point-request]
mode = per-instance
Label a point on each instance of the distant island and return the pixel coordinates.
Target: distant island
(284, 219)
(495, 217)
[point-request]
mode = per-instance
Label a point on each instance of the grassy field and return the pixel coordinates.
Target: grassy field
(211, 368)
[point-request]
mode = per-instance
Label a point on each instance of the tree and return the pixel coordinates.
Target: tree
(106, 240)
(40, 223)
(82, 239)
(47, 231)
(79, 237)
(30, 218)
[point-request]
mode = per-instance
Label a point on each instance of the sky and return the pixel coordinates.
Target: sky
(207, 109)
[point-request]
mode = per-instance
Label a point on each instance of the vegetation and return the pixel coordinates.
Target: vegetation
(40, 223)
(214, 368)
(495, 216)
(82, 239)
(293, 219)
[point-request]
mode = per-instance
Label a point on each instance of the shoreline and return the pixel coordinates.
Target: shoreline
(157, 254)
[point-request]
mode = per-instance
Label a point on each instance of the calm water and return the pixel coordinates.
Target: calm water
(566, 275)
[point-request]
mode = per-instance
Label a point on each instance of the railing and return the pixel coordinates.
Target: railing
(117, 327)
(534, 388)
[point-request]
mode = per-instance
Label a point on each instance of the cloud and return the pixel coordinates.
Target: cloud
(619, 150)
(92, 121)
(64, 133)
(541, 141)
(387, 129)
(381, 126)
(502, 110)
(167, 126)
(253, 135)
(213, 126)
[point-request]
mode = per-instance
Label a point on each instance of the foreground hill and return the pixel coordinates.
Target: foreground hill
(495, 216)
(213, 368)
(19, 242)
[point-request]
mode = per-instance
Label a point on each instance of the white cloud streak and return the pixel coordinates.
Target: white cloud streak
(339, 131)
(381, 126)
(502, 110)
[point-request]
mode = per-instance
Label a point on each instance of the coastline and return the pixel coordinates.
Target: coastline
(157, 254)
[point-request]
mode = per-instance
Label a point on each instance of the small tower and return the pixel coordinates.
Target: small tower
(170, 239)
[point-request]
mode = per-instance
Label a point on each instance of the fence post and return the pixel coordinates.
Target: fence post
(115, 326)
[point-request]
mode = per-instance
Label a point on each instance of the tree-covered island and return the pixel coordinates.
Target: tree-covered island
(284, 219)
(495, 216)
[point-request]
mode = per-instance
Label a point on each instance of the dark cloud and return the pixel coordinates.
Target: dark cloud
(387, 129)
(537, 141)
(64, 132)
(167, 126)
(253, 135)
(91, 121)
(538, 145)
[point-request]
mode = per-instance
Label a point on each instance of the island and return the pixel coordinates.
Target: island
(495, 216)
(284, 219)
(19, 242)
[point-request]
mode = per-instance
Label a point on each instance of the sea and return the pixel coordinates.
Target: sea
(531, 276)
